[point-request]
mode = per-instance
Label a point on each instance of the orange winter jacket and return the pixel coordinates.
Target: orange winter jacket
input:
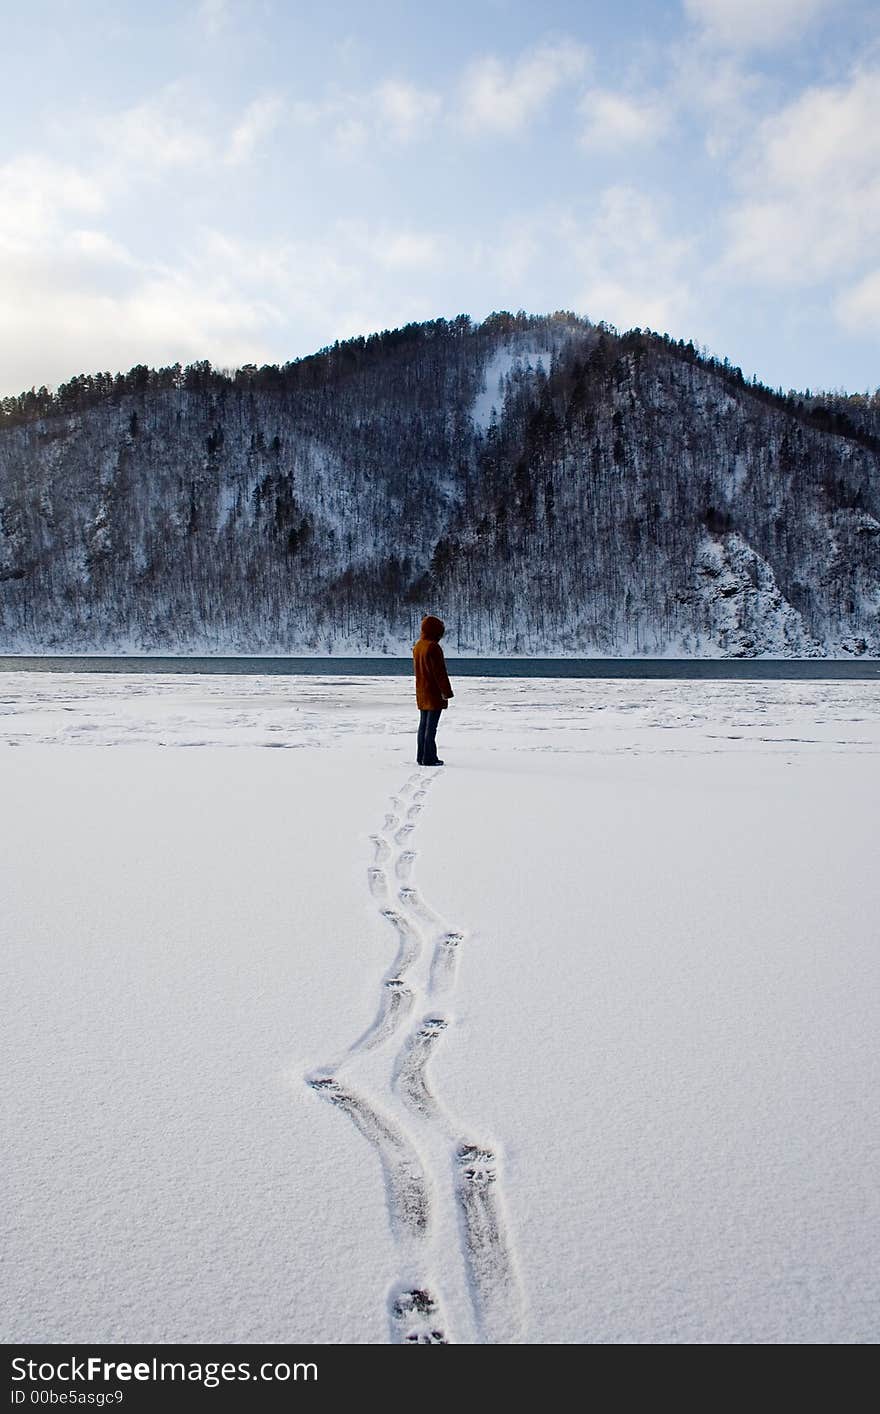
(432, 683)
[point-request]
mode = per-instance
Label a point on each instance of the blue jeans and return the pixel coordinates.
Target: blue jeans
(427, 747)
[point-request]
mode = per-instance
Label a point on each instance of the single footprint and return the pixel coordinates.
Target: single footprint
(487, 1257)
(382, 849)
(404, 865)
(408, 942)
(444, 961)
(378, 883)
(394, 1007)
(415, 1319)
(412, 899)
(410, 1078)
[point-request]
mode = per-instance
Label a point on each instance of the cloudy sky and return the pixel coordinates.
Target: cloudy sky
(248, 180)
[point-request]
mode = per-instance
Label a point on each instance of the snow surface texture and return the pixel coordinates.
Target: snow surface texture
(573, 1040)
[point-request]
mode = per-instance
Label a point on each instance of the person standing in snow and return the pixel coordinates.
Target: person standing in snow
(432, 688)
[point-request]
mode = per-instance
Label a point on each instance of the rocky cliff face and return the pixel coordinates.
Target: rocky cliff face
(546, 485)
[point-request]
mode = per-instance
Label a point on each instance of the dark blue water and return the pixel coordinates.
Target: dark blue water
(780, 669)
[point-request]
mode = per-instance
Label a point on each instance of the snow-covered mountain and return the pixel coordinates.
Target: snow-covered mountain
(545, 484)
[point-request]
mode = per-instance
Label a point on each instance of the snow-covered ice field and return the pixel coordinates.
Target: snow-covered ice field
(572, 1041)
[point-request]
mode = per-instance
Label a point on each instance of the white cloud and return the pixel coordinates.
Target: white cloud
(354, 123)
(34, 190)
(172, 131)
(810, 187)
(62, 322)
(514, 255)
(726, 98)
(99, 247)
(633, 271)
(502, 98)
(351, 136)
(78, 300)
(408, 250)
(214, 16)
(306, 113)
(858, 308)
(373, 247)
(358, 278)
(828, 134)
(754, 24)
(616, 120)
(74, 298)
(162, 132)
(622, 263)
(405, 110)
(259, 119)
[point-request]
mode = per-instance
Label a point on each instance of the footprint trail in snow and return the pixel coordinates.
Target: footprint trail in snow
(427, 1167)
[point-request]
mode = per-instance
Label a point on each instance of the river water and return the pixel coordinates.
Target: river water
(703, 669)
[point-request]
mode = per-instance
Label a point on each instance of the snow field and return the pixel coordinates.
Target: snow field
(628, 1073)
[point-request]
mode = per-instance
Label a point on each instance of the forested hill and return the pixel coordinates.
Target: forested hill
(544, 484)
